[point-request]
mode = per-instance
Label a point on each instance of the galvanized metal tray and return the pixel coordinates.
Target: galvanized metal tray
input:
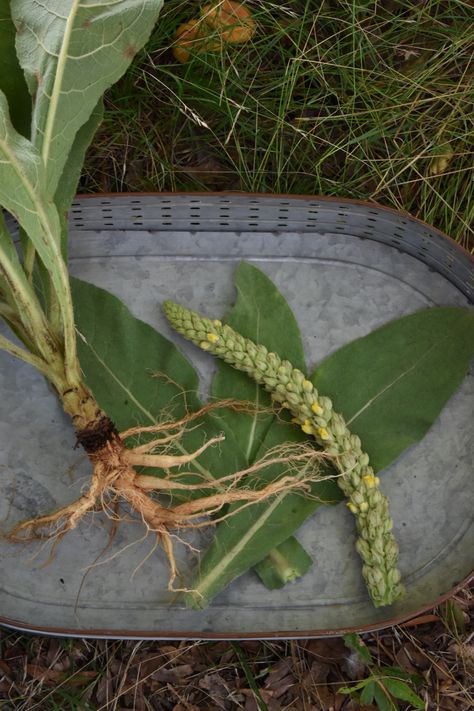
(345, 268)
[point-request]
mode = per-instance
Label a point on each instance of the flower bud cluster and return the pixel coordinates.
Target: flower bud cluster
(315, 415)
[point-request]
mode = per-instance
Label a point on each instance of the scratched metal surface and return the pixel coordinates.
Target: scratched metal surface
(345, 269)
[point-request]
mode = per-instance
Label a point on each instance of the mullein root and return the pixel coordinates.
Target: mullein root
(115, 479)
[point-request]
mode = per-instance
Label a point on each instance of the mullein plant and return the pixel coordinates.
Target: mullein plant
(314, 414)
(68, 59)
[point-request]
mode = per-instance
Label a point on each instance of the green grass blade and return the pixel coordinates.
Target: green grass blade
(324, 100)
(249, 676)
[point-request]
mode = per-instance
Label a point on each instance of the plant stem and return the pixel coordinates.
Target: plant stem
(21, 298)
(24, 355)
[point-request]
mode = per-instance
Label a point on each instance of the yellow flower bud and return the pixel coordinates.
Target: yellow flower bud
(323, 433)
(371, 481)
(307, 386)
(306, 427)
(352, 507)
(204, 345)
(212, 338)
(364, 506)
(316, 408)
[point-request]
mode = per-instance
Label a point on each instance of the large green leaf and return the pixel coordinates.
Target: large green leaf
(259, 305)
(392, 384)
(260, 313)
(12, 81)
(123, 361)
(120, 355)
(418, 362)
(72, 51)
(22, 180)
(284, 564)
(249, 535)
(67, 185)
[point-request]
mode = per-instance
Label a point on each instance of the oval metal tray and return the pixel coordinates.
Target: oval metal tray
(361, 265)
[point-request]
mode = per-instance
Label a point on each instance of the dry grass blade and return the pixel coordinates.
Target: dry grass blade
(334, 99)
(85, 675)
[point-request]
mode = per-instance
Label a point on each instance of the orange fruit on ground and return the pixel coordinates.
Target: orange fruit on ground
(231, 19)
(188, 38)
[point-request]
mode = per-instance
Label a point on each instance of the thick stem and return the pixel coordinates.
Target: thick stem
(93, 427)
(20, 296)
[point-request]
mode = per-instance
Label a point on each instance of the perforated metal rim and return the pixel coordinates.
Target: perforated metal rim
(230, 212)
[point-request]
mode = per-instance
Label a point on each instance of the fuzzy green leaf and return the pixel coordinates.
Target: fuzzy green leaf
(72, 51)
(262, 314)
(67, 186)
(284, 564)
(412, 361)
(12, 81)
(22, 180)
(259, 305)
(123, 361)
(245, 539)
(120, 354)
(392, 384)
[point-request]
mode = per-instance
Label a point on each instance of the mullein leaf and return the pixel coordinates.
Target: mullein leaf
(262, 313)
(139, 377)
(12, 81)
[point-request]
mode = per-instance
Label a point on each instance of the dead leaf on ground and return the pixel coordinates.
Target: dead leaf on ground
(216, 687)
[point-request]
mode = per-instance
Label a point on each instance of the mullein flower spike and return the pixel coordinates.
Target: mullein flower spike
(315, 415)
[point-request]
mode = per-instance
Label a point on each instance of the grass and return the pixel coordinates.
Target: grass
(50, 674)
(355, 99)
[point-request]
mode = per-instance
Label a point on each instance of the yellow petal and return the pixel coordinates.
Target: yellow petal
(317, 409)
